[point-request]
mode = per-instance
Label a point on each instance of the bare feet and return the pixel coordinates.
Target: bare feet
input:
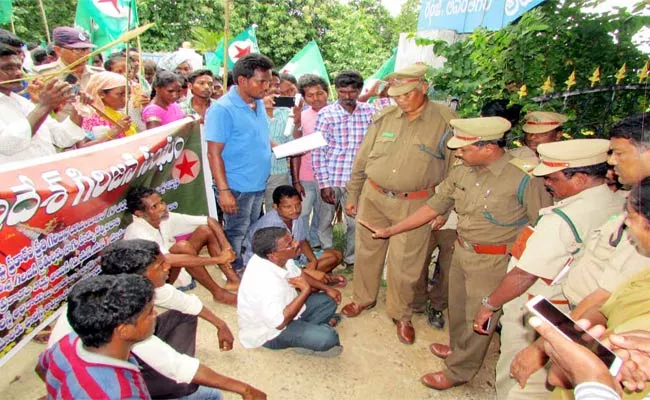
(225, 297)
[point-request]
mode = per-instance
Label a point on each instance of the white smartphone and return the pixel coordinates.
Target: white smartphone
(544, 309)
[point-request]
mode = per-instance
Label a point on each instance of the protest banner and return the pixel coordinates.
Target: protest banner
(57, 213)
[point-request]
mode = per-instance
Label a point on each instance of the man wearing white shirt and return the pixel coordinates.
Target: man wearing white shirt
(169, 367)
(272, 313)
(26, 129)
(181, 237)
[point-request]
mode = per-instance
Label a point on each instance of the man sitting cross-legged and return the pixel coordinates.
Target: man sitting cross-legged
(272, 314)
(168, 364)
(287, 207)
(181, 238)
(110, 314)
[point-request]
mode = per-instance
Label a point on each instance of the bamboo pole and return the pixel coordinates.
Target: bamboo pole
(11, 21)
(44, 18)
(225, 45)
(127, 62)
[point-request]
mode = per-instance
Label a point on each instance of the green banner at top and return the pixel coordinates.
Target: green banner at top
(106, 20)
(238, 47)
(307, 61)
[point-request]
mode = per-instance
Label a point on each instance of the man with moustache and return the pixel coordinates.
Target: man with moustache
(539, 127)
(494, 199)
(201, 84)
(401, 160)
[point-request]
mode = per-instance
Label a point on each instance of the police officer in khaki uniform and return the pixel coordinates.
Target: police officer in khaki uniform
(574, 173)
(494, 199)
(610, 258)
(539, 127)
(401, 159)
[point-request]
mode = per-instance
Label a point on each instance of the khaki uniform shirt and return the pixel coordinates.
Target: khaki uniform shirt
(486, 200)
(58, 65)
(402, 155)
(553, 245)
(525, 154)
(610, 259)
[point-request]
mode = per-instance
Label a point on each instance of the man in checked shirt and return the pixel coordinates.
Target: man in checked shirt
(343, 125)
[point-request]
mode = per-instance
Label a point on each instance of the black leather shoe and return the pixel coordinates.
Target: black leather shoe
(435, 318)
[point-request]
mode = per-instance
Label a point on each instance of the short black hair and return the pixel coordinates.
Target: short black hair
(164, 78)
(288, 77)
(265, 240)
(634, 129)
(596, 170)
(348, 78)
(640, 198)
(129, 256)
(275, 73)
(5, 51)
(98, 305)
(184, 82)
(499, 108)
(134, 198)
(229, 79)
(309, 80)
(199, 72)
(501, 142)
(38, 55)
(284, 191)
(112, 60)
(10, 39)
(247, 65)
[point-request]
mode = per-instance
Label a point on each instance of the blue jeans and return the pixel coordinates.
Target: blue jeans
(311, 330)
(204, 393)
(310, 203)
(249, 206)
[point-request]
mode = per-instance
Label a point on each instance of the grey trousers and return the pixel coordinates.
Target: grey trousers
(326, 216)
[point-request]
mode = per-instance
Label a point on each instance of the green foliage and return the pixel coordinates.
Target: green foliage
(28, 21)
(204, 39)
(552, 40)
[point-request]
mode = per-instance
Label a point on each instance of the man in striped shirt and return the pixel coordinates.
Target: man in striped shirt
(343, 125)
(109, 314)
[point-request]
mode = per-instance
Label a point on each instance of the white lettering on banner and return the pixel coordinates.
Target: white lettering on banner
(440, 8)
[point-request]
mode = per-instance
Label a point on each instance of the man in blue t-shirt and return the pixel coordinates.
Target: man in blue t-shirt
(239, 148)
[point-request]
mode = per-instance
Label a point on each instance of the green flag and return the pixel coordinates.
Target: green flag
(388, 67)
(6, 11)
(239, 46)
(307, 61)
(106, 20)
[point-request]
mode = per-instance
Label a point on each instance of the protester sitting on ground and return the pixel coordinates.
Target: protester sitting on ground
(169, 367)
(27, 131)
(287, 207)
(270, 311)
(163, 108)
(181, 237)
(108, 93)
(109, 314)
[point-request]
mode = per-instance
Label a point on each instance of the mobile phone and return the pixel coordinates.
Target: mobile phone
(545, 310)
(487, 325)
(284, 101)
(72, 80)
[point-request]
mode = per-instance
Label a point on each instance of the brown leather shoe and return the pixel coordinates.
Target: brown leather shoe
(440, 350)
(436, 380)
(405, 331)
(353, 309)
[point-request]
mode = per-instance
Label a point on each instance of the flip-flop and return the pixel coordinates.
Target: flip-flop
(338, 281)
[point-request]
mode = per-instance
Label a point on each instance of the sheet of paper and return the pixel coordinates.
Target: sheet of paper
(304, 144)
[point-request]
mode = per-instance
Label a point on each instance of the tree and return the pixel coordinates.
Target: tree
(28, 22)
(407, 20)
(552, 40)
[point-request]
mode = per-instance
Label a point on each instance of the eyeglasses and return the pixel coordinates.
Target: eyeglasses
(77, 50)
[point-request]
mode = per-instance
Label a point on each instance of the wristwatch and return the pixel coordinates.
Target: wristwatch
(485, 303)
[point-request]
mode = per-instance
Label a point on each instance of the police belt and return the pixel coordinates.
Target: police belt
(496, 249)
(421, 194)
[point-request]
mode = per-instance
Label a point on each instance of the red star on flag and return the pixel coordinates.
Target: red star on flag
(113, 2)
(185, 167)
(241, 51)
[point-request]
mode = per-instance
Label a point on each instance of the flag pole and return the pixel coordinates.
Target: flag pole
(11, 21)
(44, 18)
(225, 45)
(127, 63)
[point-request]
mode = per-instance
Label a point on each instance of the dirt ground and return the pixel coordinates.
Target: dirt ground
(373, 365)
